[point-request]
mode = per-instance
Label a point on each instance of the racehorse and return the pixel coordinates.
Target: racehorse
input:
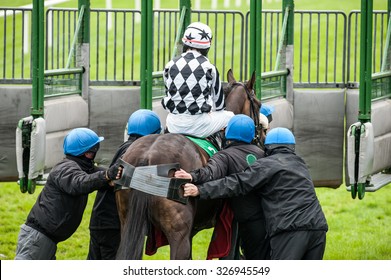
(179, 222)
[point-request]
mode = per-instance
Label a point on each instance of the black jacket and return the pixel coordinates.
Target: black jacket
(104, 212)
(59, 209)
(283, 182)
(235, 158)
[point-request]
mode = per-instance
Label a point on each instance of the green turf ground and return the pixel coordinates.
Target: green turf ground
(358, 229)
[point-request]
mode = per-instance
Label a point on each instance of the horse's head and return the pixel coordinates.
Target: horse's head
(240, 98)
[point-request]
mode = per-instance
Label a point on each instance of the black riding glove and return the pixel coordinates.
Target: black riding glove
(112, 172)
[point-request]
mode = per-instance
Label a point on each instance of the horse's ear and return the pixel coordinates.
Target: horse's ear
(230, 77)
(251, 82)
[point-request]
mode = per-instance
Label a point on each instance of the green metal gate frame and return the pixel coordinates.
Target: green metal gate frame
(366, 80)
(39, 75)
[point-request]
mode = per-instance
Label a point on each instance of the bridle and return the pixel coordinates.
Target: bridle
(254, 113)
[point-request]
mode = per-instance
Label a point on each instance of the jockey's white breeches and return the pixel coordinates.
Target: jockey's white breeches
(201, 125)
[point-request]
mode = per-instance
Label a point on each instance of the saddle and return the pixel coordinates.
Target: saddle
(211, 144)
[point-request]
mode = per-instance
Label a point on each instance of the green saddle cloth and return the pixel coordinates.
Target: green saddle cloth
(208, 147)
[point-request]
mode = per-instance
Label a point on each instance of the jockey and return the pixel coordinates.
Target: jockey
(236, 157)
(59, 208)
(194, 95)
(295, 222)
(105, 235)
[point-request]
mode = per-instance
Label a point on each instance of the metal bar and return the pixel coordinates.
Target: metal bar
(365, 61)
(264, 41)
(273, 74)
(374, 41)
(309, 47)
(281, 44)
(301, 49)
(79, 23)
(63, 93)
(63, 71)
(97, 44)
(318, 50)
(179, 31)
(124, 46)
(22, 50)
(5, 45)
(115, 47)
(38, 57)
(13, 45)
(106, 44)
(387, 47)
(380, 75)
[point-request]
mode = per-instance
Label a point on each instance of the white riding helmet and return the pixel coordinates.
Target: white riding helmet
(263, 120)
(197, 35)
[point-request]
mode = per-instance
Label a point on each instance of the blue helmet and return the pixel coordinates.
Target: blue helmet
(279, 136)
(240, 128)
(80, 140)
(266, 110)
(144, 122)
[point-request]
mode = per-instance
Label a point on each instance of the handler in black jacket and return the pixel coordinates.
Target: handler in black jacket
(105, 229)
(236, 157)
(295, 221)
(59, 208)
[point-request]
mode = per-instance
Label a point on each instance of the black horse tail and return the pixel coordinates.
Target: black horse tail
(135, 228)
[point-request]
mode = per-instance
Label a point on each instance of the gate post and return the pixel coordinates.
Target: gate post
(146, 54)
(365, 61)
(84, 48)
(289, 60)
(256, 43)
(38, 33)
(31, 131)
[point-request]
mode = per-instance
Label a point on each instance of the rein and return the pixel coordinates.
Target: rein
(254, 114)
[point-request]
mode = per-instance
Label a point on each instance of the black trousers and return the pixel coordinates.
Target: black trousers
(103, 244)
(298, 245)
(253, 240)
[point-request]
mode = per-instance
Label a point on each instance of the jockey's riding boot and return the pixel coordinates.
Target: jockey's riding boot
(217, 139)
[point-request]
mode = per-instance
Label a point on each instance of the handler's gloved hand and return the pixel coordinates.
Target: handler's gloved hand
(114, 172)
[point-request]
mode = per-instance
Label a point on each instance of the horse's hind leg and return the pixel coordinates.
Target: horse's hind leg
(177, 224)
(180, 246)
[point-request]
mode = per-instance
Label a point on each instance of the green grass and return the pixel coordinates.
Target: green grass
(358, 229)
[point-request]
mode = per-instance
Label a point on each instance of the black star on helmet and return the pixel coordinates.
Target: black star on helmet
(189, 37)
(204, 35)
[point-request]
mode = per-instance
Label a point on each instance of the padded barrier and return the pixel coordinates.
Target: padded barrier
(19, 145)
(37, 148)
(365, 152)
(319, 130)
(380, 116)
(36, 161)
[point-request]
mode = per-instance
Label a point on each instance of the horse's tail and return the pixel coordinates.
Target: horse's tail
(135, 228)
